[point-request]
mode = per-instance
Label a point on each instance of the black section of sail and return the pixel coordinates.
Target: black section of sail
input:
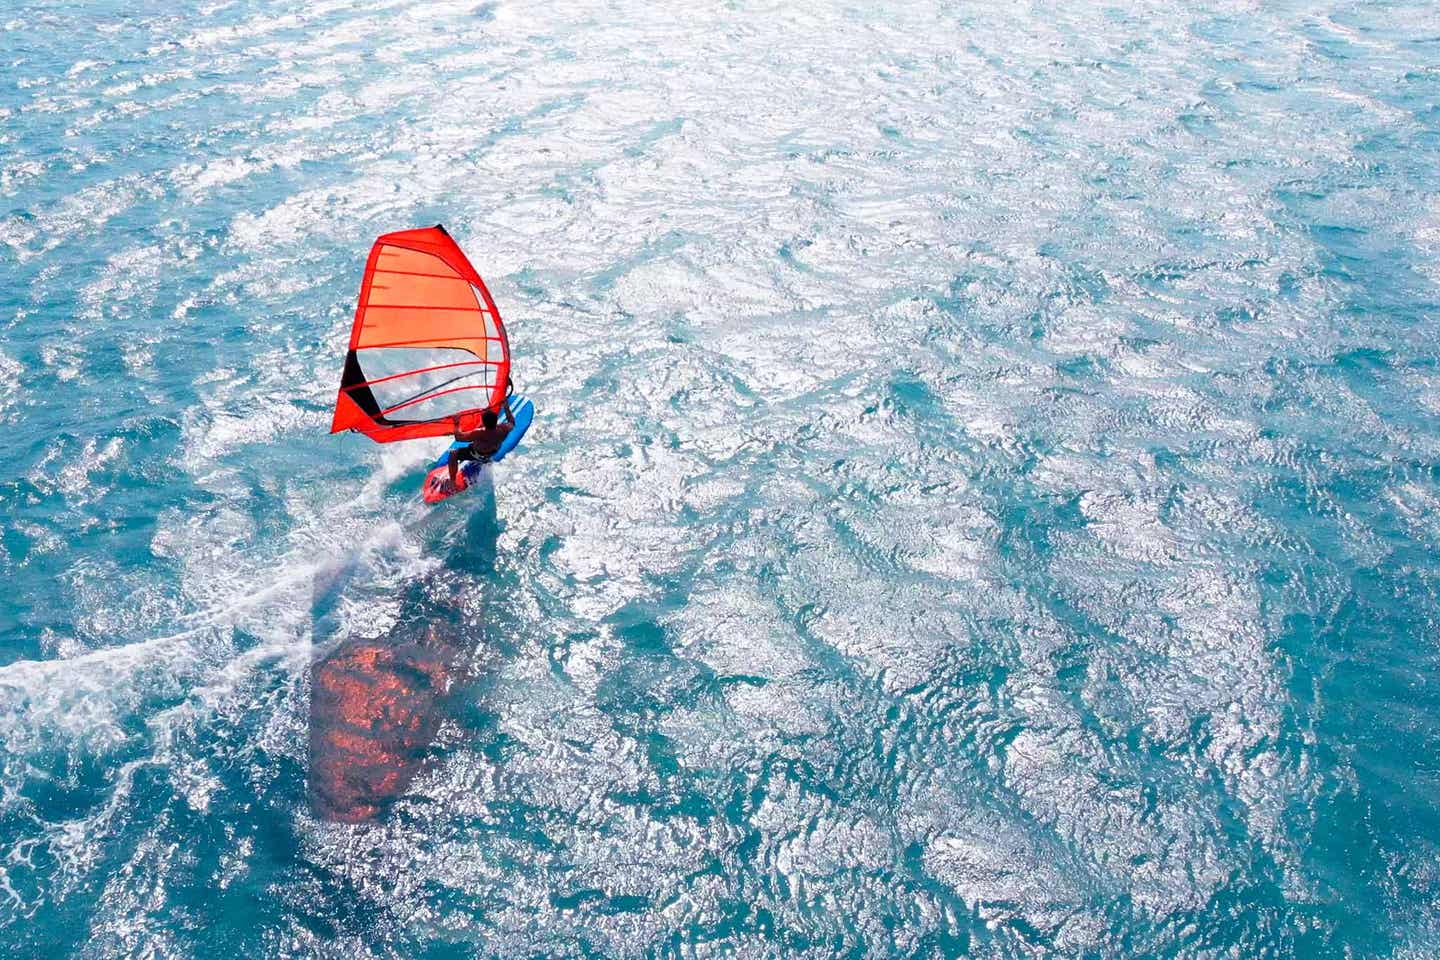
(353, 382)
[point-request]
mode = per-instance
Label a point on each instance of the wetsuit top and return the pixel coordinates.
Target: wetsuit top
(485, 445)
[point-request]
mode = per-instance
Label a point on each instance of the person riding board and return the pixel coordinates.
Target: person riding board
(482, 443)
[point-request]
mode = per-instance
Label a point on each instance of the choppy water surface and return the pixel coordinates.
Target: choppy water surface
(984, 499)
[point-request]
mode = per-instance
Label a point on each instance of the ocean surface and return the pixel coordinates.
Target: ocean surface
(984, 500)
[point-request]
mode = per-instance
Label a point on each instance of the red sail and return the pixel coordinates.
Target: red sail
(427, 344)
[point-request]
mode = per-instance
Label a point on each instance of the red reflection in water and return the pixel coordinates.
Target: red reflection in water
(375, 705)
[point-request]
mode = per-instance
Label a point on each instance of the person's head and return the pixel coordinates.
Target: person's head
(489, 419)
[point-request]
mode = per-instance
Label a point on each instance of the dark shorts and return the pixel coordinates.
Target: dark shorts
(470, 453)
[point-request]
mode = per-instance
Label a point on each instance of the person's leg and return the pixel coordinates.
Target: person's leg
(454, 466)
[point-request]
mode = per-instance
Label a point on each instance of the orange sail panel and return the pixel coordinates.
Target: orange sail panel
(427, 344)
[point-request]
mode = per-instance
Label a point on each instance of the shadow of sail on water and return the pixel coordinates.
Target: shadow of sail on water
(377, 702)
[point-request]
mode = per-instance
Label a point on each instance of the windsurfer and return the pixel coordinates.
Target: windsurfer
(482, 443)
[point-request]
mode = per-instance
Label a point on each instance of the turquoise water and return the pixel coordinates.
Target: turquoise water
(984, 502)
